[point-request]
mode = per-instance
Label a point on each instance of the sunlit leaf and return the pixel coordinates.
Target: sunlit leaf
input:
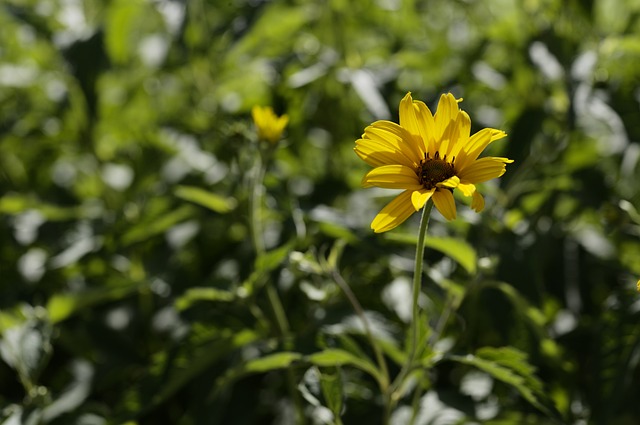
(331, 384)
(338, 357)
(143, 231)
(271, 362)
(194, 295)
(457, 249)
(205, 198)
(510, 366)
(62, 306)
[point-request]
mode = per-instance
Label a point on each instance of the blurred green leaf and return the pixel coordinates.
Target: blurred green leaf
(14, 203)
(194, 295)
(271, 362)
(199, 361)
(273, 258)
(263, 364)
(511, 367)
(456, 249)
(333, 357)
(331, 384)
(62, 306)
(146, 230)
(206, 199)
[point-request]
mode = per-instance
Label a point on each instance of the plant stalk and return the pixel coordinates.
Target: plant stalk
(417, 286)
(257, 236)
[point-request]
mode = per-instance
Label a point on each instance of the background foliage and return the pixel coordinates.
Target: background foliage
(129, 288)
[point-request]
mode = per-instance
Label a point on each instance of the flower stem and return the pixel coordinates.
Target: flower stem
(417, 286)
(384, 380)
(255, 206)
(417, 276)
(257, 237)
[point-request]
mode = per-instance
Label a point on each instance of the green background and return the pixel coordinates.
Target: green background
(129, 288)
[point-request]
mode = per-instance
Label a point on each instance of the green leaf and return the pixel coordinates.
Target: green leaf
(266, 263)
(456, 249)
(206, 199)
(336, 231)
(338, 357)
(199, 361)
(13, 203)
(126, 22)
(271, 362)
(260, 365)
(272, 259)
(331, 384)
(147, 229)
(202, 294)
(62, 306)
(510, 366)
(532, 315)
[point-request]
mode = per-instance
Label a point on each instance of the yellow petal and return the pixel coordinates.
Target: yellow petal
(467, 189)
(464, 129)
(409, 112)
(377, 154)
(451, 182)
(283, 121)
(477, 202)
(420, 197)
(391, 134)
(444, 202)
(394, 213)
(268, 125)
(392, 177)
(484, 169)
(476, 144)
(447, 111)
(425, 120)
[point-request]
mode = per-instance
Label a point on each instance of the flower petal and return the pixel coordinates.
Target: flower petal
(377, 154)
(394, 213)
(420, 197)
(446, 113)
(451, 182)
(268, 125)
(392, 177)
(463, 123)
(425, 120)
(392, 135)
(477, 202)
(467, 189)
(484, 169)
(409, 112)
(444, 202)
(476, 144)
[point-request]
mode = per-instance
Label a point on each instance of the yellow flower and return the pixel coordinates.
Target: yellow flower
(268, 124)
(428, 156)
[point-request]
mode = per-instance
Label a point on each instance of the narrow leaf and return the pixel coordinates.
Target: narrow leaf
(456, 249)
(205, 198)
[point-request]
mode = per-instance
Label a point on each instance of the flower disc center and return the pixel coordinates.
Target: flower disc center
(433, 171)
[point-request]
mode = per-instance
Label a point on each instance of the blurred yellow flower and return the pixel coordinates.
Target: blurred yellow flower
(428, 156)
(268, 124)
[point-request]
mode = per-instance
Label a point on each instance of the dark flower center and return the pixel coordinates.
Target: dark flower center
(432, 171)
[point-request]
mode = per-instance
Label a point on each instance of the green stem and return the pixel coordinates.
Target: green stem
(278, 311)
(257, 236)
(415, 404)
(417, 286)
(255, 207)
(417, 276)
(384, 381)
